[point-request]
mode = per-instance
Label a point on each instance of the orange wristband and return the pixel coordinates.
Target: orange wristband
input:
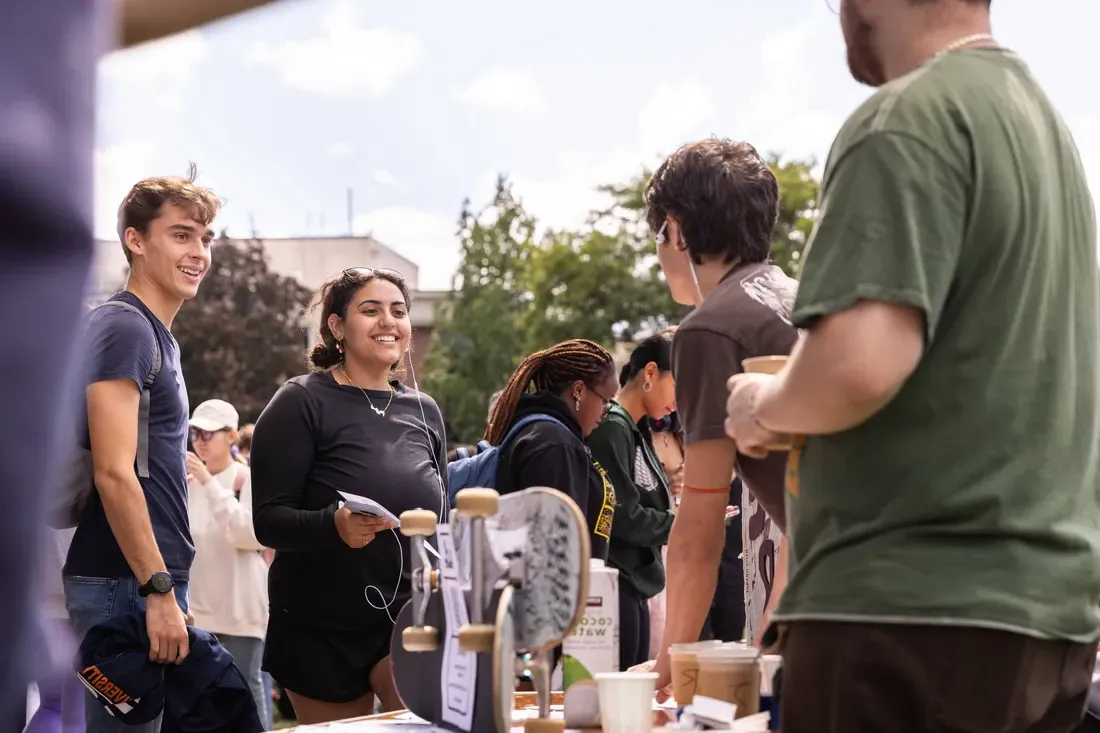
(693, 490)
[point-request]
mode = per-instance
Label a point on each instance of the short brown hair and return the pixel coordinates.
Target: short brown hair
(144, 201)
(723, 194)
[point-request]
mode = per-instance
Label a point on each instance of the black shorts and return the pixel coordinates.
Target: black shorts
(323, 664)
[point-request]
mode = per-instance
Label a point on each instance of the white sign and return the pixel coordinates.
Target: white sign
(458, 684)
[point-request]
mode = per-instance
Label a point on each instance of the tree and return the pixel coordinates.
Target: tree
(476, 344)
(798, 194)
(241, 337)
(602, 283)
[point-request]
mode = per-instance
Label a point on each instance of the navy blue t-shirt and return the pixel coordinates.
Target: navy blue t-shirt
(119, 345)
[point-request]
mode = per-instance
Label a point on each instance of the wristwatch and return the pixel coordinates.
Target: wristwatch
(159, 584)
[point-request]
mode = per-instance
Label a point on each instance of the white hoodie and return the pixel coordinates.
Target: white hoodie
(228, 587)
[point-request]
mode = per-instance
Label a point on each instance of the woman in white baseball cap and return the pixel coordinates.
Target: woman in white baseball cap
(228, 590)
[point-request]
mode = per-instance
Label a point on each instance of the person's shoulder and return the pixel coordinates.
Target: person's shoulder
(414, 397)
(120, 319)
(934, 106)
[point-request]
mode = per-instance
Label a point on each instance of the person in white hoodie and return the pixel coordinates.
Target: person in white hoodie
(228, 590)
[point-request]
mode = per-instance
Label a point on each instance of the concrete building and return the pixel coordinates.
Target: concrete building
(311, 261)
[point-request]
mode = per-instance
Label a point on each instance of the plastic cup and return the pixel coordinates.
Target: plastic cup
(732, 674)
(685, 668)
(769, 365)
(626, 701)
(769, 667)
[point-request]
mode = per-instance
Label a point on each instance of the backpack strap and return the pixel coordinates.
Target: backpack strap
(525, 421)
(142, 456)
(238, 480)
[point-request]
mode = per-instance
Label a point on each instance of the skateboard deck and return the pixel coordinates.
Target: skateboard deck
(418, 674)
(539, 539)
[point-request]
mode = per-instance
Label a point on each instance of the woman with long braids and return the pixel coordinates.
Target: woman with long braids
(339, 578)
(623, 444)
(572, 384)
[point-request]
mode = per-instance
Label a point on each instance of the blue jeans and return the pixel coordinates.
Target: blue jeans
(248, 654)
(91, 601)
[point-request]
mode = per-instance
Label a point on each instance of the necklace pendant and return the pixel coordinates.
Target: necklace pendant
(377, 411)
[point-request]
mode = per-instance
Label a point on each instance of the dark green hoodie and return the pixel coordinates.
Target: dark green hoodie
(642, 501)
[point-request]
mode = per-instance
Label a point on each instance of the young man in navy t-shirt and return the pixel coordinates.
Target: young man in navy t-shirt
(133, 547)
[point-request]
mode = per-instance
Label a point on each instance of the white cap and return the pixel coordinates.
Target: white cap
(215, 415)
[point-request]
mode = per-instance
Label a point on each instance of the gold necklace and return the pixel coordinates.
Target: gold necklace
(381, 412)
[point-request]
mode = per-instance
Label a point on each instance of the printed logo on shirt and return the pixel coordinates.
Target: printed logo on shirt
(607, 511)
(643, 475)
(102, 687)
(771, 287)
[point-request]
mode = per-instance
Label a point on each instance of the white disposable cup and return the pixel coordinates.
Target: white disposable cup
(626, 701)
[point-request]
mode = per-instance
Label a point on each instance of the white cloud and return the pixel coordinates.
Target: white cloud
(672, 113)
(345, 59)
(383, 177)
(504, 90)
(117, 168)
(425, 238)
(339, 150)
(165, 63)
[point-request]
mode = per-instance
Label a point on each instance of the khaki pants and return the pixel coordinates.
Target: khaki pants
(882, 678)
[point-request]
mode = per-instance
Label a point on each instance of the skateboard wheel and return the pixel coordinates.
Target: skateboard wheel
(420, 639)
(418, 522)
(477, 638)
(478, 503)
(543, 725)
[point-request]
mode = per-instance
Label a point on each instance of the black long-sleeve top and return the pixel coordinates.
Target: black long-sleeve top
(317, 437)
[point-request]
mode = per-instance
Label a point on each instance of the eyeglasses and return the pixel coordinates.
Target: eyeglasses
(205, 435)
(353, 272)
(606, 400)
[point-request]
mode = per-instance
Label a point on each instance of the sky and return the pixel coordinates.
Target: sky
(419, 105)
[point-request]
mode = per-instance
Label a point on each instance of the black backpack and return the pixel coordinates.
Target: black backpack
(77, 481)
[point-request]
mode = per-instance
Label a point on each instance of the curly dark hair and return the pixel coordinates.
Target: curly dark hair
(551, 369)
(724, 196)
(334, 297)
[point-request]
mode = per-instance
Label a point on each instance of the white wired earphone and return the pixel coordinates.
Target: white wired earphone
(443, 512)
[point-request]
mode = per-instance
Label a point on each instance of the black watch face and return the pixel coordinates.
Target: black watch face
(161, 582)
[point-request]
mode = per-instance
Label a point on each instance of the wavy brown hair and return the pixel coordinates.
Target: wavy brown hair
(552, 369)
(335, 297)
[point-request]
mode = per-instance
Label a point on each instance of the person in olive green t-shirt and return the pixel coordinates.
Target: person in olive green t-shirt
(943, 504)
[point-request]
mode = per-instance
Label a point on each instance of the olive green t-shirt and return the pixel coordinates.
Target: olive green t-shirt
(972, 497)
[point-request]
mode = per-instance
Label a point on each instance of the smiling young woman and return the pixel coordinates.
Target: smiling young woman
(338, 579)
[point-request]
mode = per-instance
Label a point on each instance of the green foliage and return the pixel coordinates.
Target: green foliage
(241, 337)
(517, 291)
(798, 194)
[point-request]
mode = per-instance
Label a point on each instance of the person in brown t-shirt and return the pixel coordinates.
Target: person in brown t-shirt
(713, 205)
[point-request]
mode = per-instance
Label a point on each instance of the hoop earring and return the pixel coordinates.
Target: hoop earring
(647, 386)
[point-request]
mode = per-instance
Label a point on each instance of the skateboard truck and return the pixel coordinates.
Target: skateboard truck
(418, 525)
(476, 505)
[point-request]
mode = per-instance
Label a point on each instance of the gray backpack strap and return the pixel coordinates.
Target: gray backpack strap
(142, 456)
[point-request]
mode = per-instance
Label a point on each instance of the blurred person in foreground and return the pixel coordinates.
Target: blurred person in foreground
(48, 56)
(943, 499)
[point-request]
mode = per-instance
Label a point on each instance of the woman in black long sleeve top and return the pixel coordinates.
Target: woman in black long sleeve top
(572, 382)
(339, 578)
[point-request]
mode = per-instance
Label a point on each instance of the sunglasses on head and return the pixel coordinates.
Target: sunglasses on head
(205, 435)
(353, 272)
